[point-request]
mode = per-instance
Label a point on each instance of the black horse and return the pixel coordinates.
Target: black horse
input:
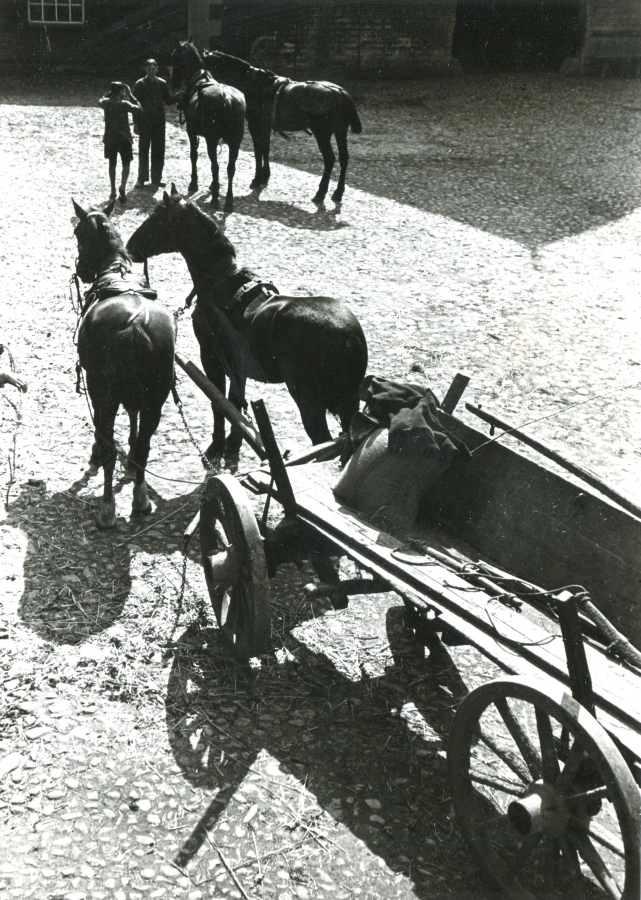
(212, 110)
(126, 347)
(276, 103)
(246, 330)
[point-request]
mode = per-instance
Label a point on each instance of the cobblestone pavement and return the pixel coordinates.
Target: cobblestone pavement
(490, 226)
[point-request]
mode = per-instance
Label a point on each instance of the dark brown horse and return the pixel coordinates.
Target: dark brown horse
(246, 330)
(279, 104)
(212, 110)
(126, 347)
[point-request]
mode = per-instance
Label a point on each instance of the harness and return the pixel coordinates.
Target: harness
(116, 280)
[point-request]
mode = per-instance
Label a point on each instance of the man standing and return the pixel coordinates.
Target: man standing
(152, 93)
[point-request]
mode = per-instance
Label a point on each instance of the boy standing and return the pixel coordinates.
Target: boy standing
(117, 105)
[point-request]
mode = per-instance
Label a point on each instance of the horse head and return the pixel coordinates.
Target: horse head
(177, 225)
(97, 240)
(185, 61)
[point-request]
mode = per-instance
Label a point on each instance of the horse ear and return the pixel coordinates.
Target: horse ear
(166, 198)
(80, 212)
(174, 192)
(109, 208)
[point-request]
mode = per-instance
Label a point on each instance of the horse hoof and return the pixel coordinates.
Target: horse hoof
(129, 473)
(318, 200)
(230, 463)
(336, 197)
(106, 517)
(92, 469)
(143, 510)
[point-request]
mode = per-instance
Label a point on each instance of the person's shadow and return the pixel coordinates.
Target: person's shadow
(345, 739)
(76, 577)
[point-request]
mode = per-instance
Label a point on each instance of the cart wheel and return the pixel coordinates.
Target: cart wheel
(235, 568)
(545, 800)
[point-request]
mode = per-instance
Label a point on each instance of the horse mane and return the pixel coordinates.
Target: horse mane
(235, 60)
(215, 235)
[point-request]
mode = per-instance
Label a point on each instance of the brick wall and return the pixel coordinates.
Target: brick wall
(351, 37)
(612, 36)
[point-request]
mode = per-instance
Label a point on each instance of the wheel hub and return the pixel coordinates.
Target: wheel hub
(542, 810)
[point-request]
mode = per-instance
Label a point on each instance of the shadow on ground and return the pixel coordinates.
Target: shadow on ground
(77, 578)
(344, 739)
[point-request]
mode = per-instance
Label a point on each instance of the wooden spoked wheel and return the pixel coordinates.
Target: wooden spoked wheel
(544, 798)
(235, 569)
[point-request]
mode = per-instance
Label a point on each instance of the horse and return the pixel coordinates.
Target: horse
(279, 104)
(245, 329)
(212, 110)
(126, 347)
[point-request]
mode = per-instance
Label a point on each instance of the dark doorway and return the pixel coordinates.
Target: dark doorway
(517, 35)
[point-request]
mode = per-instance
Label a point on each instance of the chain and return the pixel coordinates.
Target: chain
(207, 463)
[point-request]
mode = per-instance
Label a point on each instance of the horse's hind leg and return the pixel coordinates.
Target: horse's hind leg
(149, 419)
(235, 438)
(193, 155)
(104, 418)
(313, 415)
(324, 142)
(212, 149)
(231, 171)
(343, 158)
(130, 468)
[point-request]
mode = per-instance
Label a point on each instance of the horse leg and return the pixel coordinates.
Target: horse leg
(235, 438)
(130, 468)
(104, 418)
(149, 419)
(343, 159)
(324, 142)
(193, 155)
(314, 418)
(231, 171)
(212, 149)
(257, 140)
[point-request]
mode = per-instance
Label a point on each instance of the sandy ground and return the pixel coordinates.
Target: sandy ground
(490, 226)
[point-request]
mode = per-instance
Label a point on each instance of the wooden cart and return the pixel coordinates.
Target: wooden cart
(543, 764)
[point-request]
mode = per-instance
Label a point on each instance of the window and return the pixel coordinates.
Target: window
(68, 12)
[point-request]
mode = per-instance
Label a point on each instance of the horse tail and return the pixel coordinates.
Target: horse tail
(354, 121)
(134, 358)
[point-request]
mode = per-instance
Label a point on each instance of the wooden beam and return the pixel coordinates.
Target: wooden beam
(454, 393)
(223, 405)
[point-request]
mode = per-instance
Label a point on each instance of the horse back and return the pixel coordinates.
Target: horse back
(126, 343)
(220, 106)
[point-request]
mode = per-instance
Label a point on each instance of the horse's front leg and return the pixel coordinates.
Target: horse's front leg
(324, 142)
(214, 187)
(260, 134)
(231, 171)
(215, 372)
(193, 155)
(235, 439)
(149, 420)
(104, 418)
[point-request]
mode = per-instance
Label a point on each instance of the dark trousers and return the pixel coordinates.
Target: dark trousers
(151, 136)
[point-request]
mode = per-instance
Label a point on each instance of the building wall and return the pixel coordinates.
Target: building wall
(352, 37)
(612, 36)
(116, 34)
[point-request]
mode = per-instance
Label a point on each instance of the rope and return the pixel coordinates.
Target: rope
(555, 413)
